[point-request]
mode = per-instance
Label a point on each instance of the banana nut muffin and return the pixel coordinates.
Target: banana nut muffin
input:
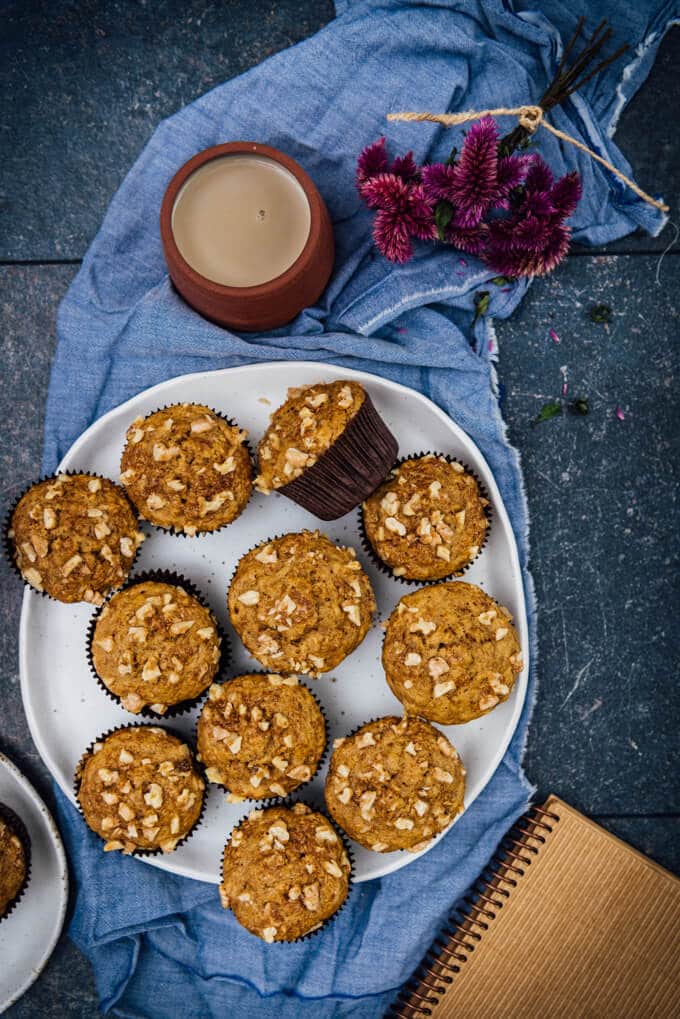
(300, 603)
(74, 537)
(155, 645)
(304, 427)
(260, 736)
(186, 468)
(451, 652)
(428, 520)
(285, 871)
(13, 860)
(394, 784)
(139, 789)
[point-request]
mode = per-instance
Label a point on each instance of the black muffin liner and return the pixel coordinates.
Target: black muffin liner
(271, 801)
(197, 765)
(268, 541)
(349, 470)
(372, 721)
(290, 802)
(19, 828)
(411, 581)
(178, 532)
(178, 580)
(8, 543)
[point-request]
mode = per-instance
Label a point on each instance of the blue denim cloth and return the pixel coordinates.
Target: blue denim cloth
(161, 946)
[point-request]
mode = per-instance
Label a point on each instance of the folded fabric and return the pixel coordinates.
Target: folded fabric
(161, 945)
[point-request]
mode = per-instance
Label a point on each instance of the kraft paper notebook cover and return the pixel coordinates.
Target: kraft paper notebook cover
(568, 921)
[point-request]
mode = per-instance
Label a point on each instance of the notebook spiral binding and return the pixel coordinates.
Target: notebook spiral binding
(473, 916)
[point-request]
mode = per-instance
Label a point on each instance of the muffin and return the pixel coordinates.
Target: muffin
(75, 537)
(428, 520)
(285, 872)
(300, 603)
(394, 784)
(154, 645)
(326, 448)
(451, 653)
(187, 469)
(15, 858)
(260, 736)
(139, 789)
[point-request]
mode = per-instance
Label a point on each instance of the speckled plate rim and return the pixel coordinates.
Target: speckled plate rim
(55, 906)
(255, 378)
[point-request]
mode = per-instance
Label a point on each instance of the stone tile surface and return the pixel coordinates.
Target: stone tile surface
(603, 500)
(93, 79)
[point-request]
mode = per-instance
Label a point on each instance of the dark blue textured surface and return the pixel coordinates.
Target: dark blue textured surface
(83, 85)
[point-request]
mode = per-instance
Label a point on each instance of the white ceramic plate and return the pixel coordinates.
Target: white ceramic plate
(28, 935)
(65, 707)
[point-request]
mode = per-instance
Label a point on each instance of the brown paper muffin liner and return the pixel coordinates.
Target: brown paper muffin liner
(349, 470)
(177, 532)
(290, 802)
(271, 801)
(140, 725)
(410, 581)
(20, 830)
(8, 543)
(178, 580)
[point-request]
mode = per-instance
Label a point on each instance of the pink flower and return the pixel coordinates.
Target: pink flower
(475, 176)
(507, 210)
(533, 239)
(403, 212)
(372, 161)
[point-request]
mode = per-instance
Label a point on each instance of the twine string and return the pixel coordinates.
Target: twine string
(530, 118)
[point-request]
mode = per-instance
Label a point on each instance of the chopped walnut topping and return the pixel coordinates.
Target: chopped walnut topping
(353, 613)
(403, 823)
(366, 801)
(437, 667)
(395, 526)
(423, 626)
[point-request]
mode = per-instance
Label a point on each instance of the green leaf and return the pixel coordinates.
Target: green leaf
(502, 281)
(600, 313)
(481, 300)
(579, 406)
(547, 411)
(452, 157)
(443, 211)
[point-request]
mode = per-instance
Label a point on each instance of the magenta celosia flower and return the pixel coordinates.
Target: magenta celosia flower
(404, 212)
(373, 161)
(475, 175)
(566, 194)
(533, 239)
(469, 186)
(505, 209)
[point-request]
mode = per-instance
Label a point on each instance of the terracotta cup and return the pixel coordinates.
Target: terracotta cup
(270, 304)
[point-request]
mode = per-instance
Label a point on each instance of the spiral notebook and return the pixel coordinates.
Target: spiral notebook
(568, 922)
